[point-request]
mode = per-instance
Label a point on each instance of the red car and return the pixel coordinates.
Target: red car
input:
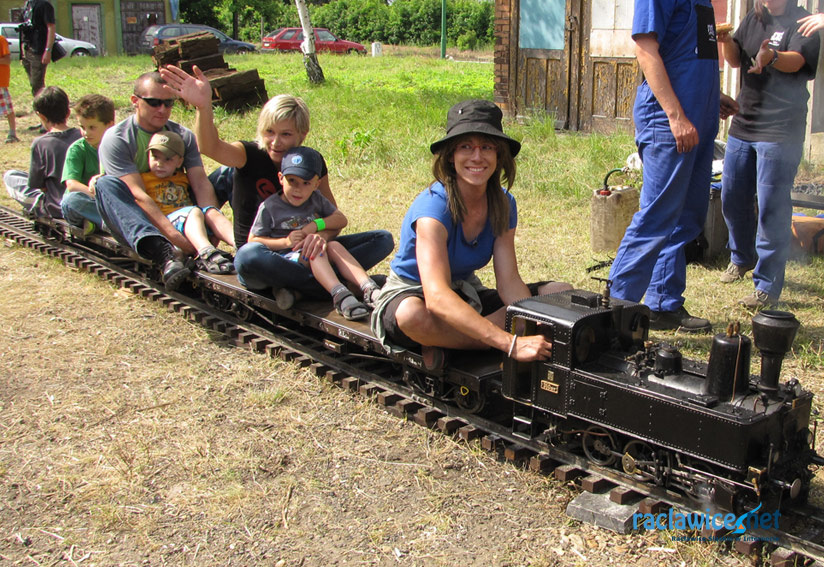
(289, 39)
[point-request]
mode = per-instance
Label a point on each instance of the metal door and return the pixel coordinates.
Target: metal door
(86, 24)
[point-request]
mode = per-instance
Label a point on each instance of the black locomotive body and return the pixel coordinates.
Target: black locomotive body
(708, 429)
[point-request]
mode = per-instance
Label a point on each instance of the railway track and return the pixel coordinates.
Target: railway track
(800, 539)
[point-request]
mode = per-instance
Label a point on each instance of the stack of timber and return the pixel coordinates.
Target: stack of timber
(231, 89)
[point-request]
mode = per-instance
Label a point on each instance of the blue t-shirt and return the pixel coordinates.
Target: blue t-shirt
(464, 257)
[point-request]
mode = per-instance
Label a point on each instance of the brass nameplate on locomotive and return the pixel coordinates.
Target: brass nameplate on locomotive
(550, 387)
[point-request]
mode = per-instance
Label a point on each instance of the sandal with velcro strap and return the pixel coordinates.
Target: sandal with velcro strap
(215, 261)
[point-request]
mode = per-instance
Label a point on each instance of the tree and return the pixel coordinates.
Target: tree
(310, 58)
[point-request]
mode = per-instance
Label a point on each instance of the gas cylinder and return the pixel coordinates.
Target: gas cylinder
(611, 210)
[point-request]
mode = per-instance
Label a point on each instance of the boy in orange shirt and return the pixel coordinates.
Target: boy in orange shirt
(6, 108)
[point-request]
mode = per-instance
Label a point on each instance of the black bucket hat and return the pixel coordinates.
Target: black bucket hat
(475, 117)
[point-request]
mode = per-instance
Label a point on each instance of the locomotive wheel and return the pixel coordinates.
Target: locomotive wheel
(470, 400)
(599, 446)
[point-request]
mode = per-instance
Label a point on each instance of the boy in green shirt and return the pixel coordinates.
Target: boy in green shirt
(96, 115)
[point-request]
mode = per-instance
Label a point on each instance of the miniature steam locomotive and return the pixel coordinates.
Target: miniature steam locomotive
(710, 430)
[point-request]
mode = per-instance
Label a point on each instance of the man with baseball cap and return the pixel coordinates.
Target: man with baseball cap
(130, 213)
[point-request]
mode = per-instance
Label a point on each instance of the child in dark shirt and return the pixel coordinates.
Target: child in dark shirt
(41, 190)
(288, 223)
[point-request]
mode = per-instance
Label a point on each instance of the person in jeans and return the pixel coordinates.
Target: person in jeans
(284, 239)
(41, 189)
(765, 142)
(128, 211)
(283, 124)
(96, 115)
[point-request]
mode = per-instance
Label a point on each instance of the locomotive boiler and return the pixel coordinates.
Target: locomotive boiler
(709, 429)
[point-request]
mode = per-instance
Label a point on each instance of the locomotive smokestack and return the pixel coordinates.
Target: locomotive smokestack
(773, 333)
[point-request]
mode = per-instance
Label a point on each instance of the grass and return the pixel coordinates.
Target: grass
(374, 118)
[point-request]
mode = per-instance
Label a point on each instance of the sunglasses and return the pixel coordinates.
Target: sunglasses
(155, 102)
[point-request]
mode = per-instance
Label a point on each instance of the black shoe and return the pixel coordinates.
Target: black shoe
(679, 320)
(174, 272)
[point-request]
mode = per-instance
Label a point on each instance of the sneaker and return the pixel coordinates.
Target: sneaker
(12, 139)
(174, 273)
(679, 320)
(88, 227)
(734, 272)
(757, 300)
(285, 298)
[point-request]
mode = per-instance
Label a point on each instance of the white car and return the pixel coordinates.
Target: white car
(73, 47)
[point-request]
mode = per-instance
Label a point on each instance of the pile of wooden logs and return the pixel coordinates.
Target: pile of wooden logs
(231, 89)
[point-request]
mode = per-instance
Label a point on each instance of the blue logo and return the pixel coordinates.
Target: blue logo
(297, 160)
(735, 525)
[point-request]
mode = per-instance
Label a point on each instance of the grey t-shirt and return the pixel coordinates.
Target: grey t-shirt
(48, 152)
(123, 148)
(276, 218)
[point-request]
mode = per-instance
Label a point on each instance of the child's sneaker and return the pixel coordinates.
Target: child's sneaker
(12, 139)
(88, 227)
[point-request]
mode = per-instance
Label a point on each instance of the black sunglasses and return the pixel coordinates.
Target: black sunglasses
(155, 102)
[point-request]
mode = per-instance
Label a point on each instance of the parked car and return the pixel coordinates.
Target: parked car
(73, 47)
(289, 39)
(157, 35)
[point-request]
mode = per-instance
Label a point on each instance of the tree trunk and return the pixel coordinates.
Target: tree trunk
(310, 58)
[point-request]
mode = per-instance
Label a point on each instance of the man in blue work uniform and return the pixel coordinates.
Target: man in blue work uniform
(676, 119)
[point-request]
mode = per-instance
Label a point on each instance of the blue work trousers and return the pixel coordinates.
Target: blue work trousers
(77, 207)
(651, 262)
(762, 174)
(123, 216)
(260, 268)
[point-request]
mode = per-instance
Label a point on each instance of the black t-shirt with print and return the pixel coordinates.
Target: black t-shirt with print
(773, 103)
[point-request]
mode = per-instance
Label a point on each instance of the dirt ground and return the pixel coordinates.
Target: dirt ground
(129, 436)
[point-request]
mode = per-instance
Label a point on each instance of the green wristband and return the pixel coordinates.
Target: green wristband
(321, 224)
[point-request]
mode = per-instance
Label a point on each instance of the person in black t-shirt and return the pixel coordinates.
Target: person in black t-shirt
(283, 124)
(38, 31)
(765, 142)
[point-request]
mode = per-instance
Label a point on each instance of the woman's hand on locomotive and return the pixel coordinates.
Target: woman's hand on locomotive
(195, 90)
(532, 347)
(811, 24)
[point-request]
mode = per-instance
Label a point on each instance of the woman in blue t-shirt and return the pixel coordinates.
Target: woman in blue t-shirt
(432, 298)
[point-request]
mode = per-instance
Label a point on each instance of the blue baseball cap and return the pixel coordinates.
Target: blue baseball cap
(303, 162)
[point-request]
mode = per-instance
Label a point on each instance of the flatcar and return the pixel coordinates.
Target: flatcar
(708, 430)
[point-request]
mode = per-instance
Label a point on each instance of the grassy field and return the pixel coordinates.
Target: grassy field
(177, 460)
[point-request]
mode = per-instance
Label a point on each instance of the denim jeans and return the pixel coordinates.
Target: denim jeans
(760, 173)
(222, 180)
(651, 261)
(77, 207)
(17, 185)
(260, 268)
(122, 215)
